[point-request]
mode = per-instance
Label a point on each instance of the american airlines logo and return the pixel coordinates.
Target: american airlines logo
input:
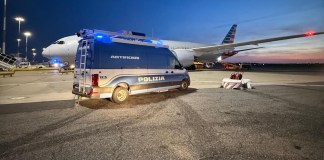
(124, 57)
(151, 79)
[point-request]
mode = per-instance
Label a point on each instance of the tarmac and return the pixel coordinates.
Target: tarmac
(281, 118)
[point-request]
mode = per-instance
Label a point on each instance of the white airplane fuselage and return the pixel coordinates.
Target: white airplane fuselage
(64, 50)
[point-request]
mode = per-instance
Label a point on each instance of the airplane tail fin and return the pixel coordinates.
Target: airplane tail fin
(230, 35)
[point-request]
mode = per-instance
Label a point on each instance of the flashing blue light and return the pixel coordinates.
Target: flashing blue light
(159, 43)
(148, 41)
(99, 36)
(55, 60)
(102, 38)
(107, 40)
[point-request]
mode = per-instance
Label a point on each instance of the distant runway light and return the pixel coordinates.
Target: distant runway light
(310, 33)
(219, 58)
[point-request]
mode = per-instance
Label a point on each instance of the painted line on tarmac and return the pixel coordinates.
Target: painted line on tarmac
(3, 85)
(286, 84)
(272, 84)
(207, 81)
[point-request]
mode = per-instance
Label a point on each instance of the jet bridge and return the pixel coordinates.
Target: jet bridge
(7, 61)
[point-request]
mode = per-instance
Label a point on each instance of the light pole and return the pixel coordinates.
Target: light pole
(34, 54)
(18, 40)
(43, 55)
(27, 34)
(19, 19)
(4, 27)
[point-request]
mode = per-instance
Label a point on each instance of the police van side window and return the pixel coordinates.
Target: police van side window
(132, 56)
(119, 56)
(157, 59)
(173, 63)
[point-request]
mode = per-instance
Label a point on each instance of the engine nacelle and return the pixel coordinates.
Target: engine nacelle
(185, 56)
(230, 53)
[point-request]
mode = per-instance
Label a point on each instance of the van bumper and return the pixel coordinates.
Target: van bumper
(96, 93)
(91, 96)
(81, 94)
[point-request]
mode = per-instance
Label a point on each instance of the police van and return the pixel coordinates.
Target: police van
(115, 65)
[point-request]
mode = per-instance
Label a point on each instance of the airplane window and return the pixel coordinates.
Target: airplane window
(55, 42)
(60, 42)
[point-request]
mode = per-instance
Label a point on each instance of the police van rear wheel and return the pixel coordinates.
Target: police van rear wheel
(184, 85)
(120, 95)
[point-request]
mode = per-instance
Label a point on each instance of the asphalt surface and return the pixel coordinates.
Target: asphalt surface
(282, 118)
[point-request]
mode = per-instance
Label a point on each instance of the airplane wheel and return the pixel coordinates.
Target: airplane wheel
(209, 65)
(192, 67)
(184, 85)
(120, 95)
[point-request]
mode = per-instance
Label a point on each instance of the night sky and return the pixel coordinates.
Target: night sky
(204, 21)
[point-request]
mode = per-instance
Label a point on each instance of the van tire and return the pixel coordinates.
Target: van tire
(184, 85)
(120, 95)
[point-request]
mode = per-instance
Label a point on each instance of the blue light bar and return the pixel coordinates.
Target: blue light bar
(102, 38)
(55, 60)
(148, 41)
(99, 36)
(159, 43)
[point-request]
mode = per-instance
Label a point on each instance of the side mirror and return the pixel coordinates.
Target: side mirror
(178, 67)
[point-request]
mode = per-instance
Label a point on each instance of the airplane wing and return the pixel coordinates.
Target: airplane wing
(255, 42)
(248, 49)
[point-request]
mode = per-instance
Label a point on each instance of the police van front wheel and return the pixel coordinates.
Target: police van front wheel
(120, 95)
(184, 85)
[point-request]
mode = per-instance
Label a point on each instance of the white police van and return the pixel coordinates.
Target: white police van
(115, 65)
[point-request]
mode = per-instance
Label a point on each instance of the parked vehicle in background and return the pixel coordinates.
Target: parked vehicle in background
(24, 65)
(40, 66)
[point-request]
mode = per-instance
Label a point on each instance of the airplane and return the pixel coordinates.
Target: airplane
(64, 49)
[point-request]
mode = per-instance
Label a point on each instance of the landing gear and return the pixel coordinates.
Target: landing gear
(192, 67)
(209, 65)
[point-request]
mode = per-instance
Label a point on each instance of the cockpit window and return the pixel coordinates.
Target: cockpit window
(59, 42)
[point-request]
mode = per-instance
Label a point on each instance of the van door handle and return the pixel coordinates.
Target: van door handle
(166, 71)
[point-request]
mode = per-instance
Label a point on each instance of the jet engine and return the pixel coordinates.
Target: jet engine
(185, 56)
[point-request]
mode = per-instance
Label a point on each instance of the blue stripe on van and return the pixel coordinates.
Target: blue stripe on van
(146, 79)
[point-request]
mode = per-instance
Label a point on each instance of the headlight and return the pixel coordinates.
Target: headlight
(72, 66)
(219, 59)
(56, 65)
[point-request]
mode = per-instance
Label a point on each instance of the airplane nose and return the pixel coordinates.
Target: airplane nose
(46, 52)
